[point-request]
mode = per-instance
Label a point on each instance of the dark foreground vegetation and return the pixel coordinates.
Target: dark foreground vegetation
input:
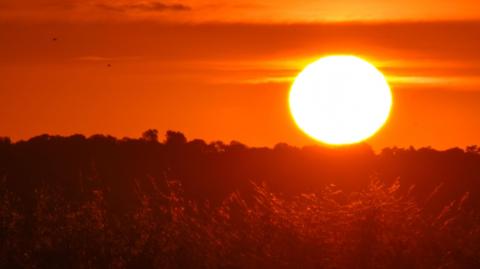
(99, 202)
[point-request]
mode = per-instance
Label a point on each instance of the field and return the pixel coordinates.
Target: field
(163, 225)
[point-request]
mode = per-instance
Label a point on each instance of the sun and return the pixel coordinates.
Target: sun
(340, 100)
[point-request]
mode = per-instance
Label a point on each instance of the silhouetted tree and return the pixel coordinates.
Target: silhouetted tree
(212, 170)
(473, 149)
(175, 138)
(5, 140)
(150, 135)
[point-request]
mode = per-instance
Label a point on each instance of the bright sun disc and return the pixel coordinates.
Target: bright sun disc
(340, 100)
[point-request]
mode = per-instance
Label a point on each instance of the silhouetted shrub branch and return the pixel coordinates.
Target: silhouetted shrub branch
(377, 227)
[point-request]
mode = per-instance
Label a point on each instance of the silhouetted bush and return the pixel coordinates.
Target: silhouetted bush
(374, 228)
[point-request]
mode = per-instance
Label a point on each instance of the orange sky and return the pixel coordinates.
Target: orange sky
(222, 71)
(239, 10)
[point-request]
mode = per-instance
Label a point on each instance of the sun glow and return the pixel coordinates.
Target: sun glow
(340, 100)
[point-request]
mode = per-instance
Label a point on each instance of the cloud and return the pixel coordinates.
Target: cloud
(145, 7)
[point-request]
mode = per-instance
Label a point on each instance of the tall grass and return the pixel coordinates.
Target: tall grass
(375, 228)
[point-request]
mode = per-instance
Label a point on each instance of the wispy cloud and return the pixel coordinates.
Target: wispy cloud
(153, 6)
(93, 10)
